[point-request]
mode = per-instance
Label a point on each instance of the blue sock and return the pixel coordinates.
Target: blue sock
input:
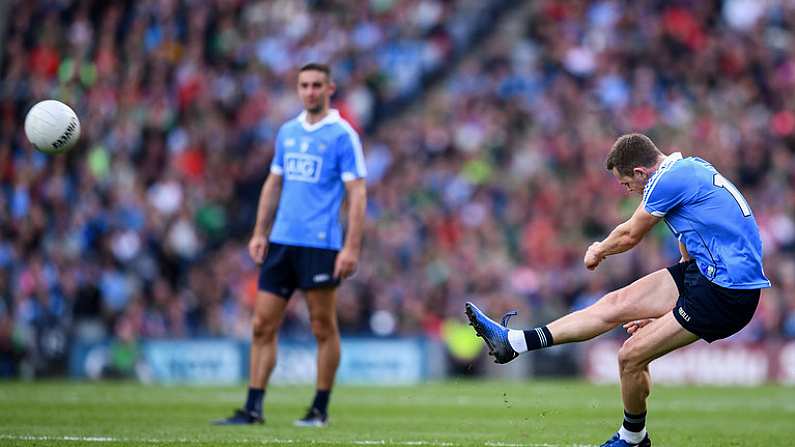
(321, 400)
(254, 400)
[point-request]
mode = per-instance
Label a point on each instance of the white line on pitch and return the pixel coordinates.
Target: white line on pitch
(108, 439)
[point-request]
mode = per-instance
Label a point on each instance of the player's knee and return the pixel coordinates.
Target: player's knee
(323, 328)
(630, 357)
(263, 330)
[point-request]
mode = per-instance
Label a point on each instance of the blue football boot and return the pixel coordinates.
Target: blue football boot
(241, 417)
(616, 441)
(494, 334)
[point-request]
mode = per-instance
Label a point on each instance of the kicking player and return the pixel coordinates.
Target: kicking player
(711, 294)
(318, 160)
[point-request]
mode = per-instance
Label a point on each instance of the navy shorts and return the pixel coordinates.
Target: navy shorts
(290, 267)
(708, 310)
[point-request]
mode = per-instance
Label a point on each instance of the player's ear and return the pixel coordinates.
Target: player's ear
(640, 172)
(332, 87)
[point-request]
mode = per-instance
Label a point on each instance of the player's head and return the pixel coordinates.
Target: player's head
(632, 160)
(315, 87)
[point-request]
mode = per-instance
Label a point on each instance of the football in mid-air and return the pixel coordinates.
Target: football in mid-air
(52, 127)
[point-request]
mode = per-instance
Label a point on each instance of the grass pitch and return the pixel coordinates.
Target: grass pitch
(465, 413)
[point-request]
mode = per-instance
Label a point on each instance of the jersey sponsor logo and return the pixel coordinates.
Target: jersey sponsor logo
(302, 167)
(684, 314)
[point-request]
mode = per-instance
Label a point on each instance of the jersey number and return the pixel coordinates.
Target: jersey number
(721, 182)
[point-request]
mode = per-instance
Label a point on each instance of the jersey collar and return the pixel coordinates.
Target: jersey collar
(332, 117)
(671, 159)
(666, 163)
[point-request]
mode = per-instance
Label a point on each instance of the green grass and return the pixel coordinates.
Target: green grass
(466, 413)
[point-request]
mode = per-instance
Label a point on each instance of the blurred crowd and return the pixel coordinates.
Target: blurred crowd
(488, 186)
(500, 185)
(140, 231)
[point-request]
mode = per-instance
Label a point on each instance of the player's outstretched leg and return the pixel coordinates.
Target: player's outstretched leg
(649, 297)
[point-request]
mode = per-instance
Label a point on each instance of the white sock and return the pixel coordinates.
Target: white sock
(633, 437)
(517, 341)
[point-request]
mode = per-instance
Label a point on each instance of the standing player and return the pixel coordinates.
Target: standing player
(318, 160)
(711, 294)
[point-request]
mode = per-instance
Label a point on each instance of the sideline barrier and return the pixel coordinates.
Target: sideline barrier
(220, 361)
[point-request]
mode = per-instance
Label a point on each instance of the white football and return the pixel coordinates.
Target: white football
(52, 126)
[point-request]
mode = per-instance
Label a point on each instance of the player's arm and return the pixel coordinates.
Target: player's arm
(268, 201)
(266, 210)
(348, 258)
(622, 238)
(269, 197)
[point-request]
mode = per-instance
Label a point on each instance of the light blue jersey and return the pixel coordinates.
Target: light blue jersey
(314, 160)
(711, 218)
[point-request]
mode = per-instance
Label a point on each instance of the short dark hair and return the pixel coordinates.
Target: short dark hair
(315, 66)
(631, 151)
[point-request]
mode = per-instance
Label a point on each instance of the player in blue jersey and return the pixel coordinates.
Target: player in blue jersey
(318, 160)
(711, 293)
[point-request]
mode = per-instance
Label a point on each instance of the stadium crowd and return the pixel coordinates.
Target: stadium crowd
(489, 187)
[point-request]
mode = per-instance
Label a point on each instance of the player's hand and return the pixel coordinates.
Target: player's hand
(257, 248)
(346, 263)
(633, 326)
(592, 257)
